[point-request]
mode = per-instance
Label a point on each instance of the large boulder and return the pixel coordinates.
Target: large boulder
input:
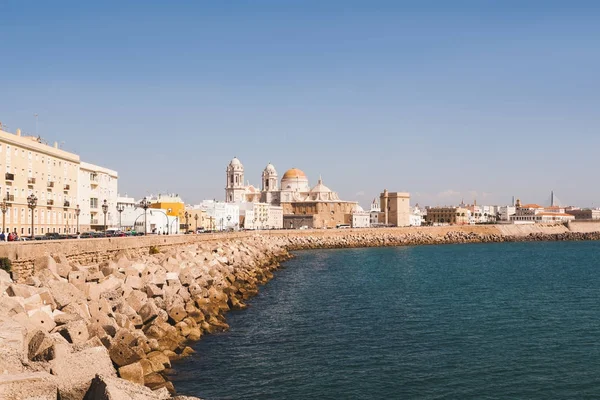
(110, 388)
(12, 346)
(28, 386)
(75, 371)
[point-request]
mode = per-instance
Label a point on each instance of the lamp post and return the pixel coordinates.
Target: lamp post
(228, 219)
(221, 223)
(4, 207)
(104, 210)
(187, 219)
(120, 209)
(32, 203)
(196, 218)
(77, 212)
(145, 204)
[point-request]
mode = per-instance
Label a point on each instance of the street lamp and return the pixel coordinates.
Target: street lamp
(32, 203)
(187, 218)
(196, 218)
(120, 209)
(145, 204)
(4, 207)
(77, 212)
(104, 210)
(228, 223)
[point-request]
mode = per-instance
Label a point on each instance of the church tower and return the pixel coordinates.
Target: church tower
(234, 189)
(269, 188)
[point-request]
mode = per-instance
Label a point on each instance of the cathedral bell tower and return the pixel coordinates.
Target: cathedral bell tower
(234, 188)
(269, 188)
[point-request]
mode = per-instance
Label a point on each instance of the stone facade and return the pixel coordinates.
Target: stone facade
(395, 208)
(323, 214)
(447, 215)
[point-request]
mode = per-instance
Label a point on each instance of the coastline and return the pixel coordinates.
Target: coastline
(122, 315)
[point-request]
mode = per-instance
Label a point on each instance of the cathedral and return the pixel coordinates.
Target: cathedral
(316, 207)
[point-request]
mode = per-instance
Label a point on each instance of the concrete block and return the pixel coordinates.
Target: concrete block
(45, 262)
(10, 306)
(62, 318)
(177, 313)
(135, 282)
(77, 277)
(136, 299)
(122, 353)
(12, 346)
(75, 332)
(114, 297)
(78, 308)
(40, 347)
(75, 371)
(132, 373)
(31, 281)
(94, 276)
(148, 312)
(28, 385)
(110, 388)
(42, 320)
(99, 307)
(64, 293)
(18, 290)
(153, 290)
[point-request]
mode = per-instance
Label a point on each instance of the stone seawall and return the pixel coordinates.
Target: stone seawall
(103, 318)
(86, 251)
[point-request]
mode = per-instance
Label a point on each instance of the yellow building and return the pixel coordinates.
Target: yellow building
(198, 219)
(32, 167)
(171, 203)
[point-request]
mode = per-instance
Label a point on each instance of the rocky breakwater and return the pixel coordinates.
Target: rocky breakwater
(109, 330)
(381, 239)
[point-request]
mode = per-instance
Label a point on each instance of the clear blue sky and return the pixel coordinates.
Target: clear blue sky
(445, 99)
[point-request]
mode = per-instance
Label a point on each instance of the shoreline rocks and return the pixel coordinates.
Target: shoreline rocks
(110, 329)
(86, 329)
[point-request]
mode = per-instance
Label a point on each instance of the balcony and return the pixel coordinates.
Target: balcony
(94, 180)
(30, 181)
(50, 184)
(10, 197)
(9, 177)
(93, 222)
(67, 187)
(50, 202)
(67, 204)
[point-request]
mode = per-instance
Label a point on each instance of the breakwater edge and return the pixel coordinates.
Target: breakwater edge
(103, 318)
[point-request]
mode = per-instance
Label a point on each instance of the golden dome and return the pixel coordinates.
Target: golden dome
(294, 173)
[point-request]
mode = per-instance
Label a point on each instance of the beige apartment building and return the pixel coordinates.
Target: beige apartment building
(33, 167)
(52, 175)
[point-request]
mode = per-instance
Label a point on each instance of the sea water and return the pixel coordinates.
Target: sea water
(476, 321)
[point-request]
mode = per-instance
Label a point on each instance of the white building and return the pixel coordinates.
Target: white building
(360, 218)
(416, 216)
(260, 216)
(223, 215)
(506, 212)
(374, 212)
(534, 213)
(95, 185)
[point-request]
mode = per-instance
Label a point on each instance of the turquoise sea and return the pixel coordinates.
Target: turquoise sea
(477, 321)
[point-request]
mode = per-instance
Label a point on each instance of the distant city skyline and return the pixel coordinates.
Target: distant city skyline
(446, 101)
